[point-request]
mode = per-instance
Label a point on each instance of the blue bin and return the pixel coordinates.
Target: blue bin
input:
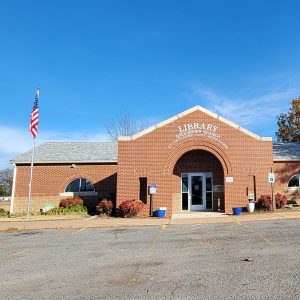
(161, 212)
(237, 211)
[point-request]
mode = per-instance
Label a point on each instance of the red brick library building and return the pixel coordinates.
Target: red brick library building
(198, 161)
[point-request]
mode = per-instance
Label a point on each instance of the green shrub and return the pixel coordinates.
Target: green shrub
(105, 207)
(3, 213)
(75, 209)
(70, 202)
(130, 208)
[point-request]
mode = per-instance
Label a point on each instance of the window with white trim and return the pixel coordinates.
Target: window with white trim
(80, 185)
(294, 181)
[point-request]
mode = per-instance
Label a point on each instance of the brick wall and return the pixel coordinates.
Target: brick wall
(283, 173)
(155, 154)
(50, 180)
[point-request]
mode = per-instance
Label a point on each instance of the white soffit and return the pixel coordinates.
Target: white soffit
(187, 112)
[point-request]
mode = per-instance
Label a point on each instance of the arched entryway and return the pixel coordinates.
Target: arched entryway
(198, 182)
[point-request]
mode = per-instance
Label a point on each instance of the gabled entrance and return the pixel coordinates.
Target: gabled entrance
(198, 180)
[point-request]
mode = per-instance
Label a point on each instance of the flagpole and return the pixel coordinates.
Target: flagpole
(33, 128)
(30, 179)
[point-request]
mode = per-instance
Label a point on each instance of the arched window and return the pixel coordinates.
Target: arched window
(294, 181)
(80, 185)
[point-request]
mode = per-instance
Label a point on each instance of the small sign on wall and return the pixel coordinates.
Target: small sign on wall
(229, 179)
(152, 189)
(271, 177)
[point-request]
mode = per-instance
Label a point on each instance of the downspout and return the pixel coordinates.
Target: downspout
(11, 210)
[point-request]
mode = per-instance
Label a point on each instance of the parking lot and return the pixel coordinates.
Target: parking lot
(250, 260)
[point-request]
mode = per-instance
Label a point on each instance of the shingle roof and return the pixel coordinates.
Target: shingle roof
(286, 151)
(107, 152)
(71, 152)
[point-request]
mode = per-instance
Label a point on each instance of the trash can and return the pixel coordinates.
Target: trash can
(161, 212)
(237, 211)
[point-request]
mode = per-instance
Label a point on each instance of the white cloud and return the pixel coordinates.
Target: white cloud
(17, 140)
(249, 112)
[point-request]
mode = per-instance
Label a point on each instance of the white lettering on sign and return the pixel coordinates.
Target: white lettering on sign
(198, 129)
(190, 126)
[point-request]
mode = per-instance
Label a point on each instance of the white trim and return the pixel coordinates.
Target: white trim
(124, 138)
(16, 162)
(186, 112)
(12, 199)
(266, 138)
(225, 121)
(293, 188)
(254, 135)
(286, 160)
(166, 122)
(71, 194)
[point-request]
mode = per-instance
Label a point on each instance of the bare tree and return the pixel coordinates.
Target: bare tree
(125, 125)
(6, 181)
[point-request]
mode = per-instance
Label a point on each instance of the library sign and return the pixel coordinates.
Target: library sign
(207, 130)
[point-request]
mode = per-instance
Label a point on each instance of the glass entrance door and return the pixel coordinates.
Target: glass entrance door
(197, 191)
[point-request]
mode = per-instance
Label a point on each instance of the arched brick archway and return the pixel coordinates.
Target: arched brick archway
(196, 146)
(198, 165)
(175, 155)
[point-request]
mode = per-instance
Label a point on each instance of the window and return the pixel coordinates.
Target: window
(294, 181)
(143, 189)
(80, 185)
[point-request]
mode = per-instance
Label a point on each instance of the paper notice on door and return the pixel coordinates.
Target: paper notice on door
(196, 187)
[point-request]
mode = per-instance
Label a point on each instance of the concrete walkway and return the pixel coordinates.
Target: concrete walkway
(60, 222)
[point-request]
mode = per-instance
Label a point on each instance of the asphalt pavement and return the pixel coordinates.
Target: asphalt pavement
(236, 260)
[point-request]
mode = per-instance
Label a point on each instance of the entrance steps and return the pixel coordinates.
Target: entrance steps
(199, 215)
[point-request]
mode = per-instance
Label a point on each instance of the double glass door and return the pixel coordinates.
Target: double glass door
(196, 191)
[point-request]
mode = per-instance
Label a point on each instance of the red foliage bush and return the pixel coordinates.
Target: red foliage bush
(70, 202)
(280, 200)
(264, 202)
(105, 207)
(130, 208)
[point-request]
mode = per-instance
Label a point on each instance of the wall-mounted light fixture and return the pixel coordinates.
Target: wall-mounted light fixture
(73, 166)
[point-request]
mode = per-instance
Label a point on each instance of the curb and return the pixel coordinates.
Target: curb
(96, 222)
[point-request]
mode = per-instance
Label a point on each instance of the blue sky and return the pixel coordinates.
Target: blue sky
(95, 60)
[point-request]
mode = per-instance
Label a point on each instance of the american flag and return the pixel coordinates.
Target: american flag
(34, 116)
